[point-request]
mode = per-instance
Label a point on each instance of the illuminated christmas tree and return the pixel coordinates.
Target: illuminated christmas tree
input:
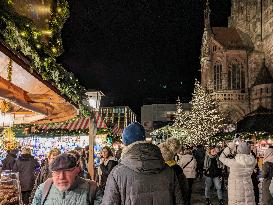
(180, 116)
(179, 128)
(206, 118)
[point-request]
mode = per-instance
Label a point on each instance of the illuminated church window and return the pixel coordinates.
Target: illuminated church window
(217, 76)
(236, 77)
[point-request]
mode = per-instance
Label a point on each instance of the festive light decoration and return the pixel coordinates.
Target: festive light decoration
(7, 118)
(181, 117)
(21, 34)
(199, 125)
(8, 141)
(5, 106)
(206, 118)
(10, 70)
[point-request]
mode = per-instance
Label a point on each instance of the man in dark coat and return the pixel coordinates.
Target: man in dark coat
(10, 159)
(141, 177)
(199, 155)
(213, 172)
(26, 165)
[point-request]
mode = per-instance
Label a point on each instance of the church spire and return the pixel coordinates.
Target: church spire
(205, 50)
(207, 17)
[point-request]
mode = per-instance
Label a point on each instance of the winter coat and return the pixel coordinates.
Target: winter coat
(82, 192)
(212, 166)
(240, 187)
(142, 178)
(26, 165)
(190, 169)
(199, 155)
(267, 174)
(105, 169)
(8, 162)
(183, 183)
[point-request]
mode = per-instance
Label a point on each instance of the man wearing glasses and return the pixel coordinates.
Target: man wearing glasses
(65, 186)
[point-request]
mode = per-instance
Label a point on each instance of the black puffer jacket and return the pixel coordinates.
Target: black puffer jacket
(106, 168)
(26, 165)
(142, 178)
(267, 175)
(183, 183)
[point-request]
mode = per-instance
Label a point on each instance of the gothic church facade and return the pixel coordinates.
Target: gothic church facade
(237, 61)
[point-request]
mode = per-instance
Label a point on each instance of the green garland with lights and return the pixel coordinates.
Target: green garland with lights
(245, 136)
(21, 34)
(64, 132)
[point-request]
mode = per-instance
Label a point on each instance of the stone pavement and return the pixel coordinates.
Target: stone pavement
(198, 195)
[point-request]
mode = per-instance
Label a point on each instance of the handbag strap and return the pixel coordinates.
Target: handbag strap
(187, 163)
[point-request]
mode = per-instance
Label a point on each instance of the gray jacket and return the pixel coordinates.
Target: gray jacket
(142, 178)
(82, 192)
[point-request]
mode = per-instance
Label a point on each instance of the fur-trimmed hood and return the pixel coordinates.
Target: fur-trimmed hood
(143, 157)
(245, 159)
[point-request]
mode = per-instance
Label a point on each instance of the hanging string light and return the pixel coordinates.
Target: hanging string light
(9, 141)
(10, 69)
(7, 118)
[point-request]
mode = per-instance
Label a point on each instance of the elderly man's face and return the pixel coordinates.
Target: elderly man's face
(64, 179)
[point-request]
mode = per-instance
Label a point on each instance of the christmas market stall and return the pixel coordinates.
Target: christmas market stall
(65, 136)
(34, 88)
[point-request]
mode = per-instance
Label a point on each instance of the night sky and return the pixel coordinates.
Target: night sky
(137, 50)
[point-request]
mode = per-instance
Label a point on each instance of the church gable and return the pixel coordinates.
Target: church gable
(216, 46)
(229, 38)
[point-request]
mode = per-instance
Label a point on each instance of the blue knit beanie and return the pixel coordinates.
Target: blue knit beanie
(132, 133)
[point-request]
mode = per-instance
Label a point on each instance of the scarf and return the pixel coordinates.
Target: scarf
(171, 163)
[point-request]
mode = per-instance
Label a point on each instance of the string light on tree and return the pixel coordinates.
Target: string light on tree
(205, 117)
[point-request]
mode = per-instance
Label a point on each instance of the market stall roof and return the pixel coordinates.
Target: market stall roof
(78, 124)
(260, 120)
(28, 91)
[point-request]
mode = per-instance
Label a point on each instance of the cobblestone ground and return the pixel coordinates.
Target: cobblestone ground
(198, 195)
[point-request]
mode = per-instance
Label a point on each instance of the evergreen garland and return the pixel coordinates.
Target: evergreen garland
(21, 34)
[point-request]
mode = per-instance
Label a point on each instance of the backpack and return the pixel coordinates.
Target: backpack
(48, 184)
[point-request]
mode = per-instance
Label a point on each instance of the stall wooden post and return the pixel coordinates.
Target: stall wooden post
(92, 136)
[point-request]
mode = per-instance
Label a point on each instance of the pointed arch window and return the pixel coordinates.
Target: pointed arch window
(217, 76)
(236, 77)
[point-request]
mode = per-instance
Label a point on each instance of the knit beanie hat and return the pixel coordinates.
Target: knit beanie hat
(133, 133)
(167, 154)
(243, 148)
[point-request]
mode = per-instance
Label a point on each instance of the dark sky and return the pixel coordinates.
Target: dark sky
(135, 50)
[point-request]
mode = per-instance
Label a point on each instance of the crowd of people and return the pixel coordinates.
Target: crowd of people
(144, 173)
